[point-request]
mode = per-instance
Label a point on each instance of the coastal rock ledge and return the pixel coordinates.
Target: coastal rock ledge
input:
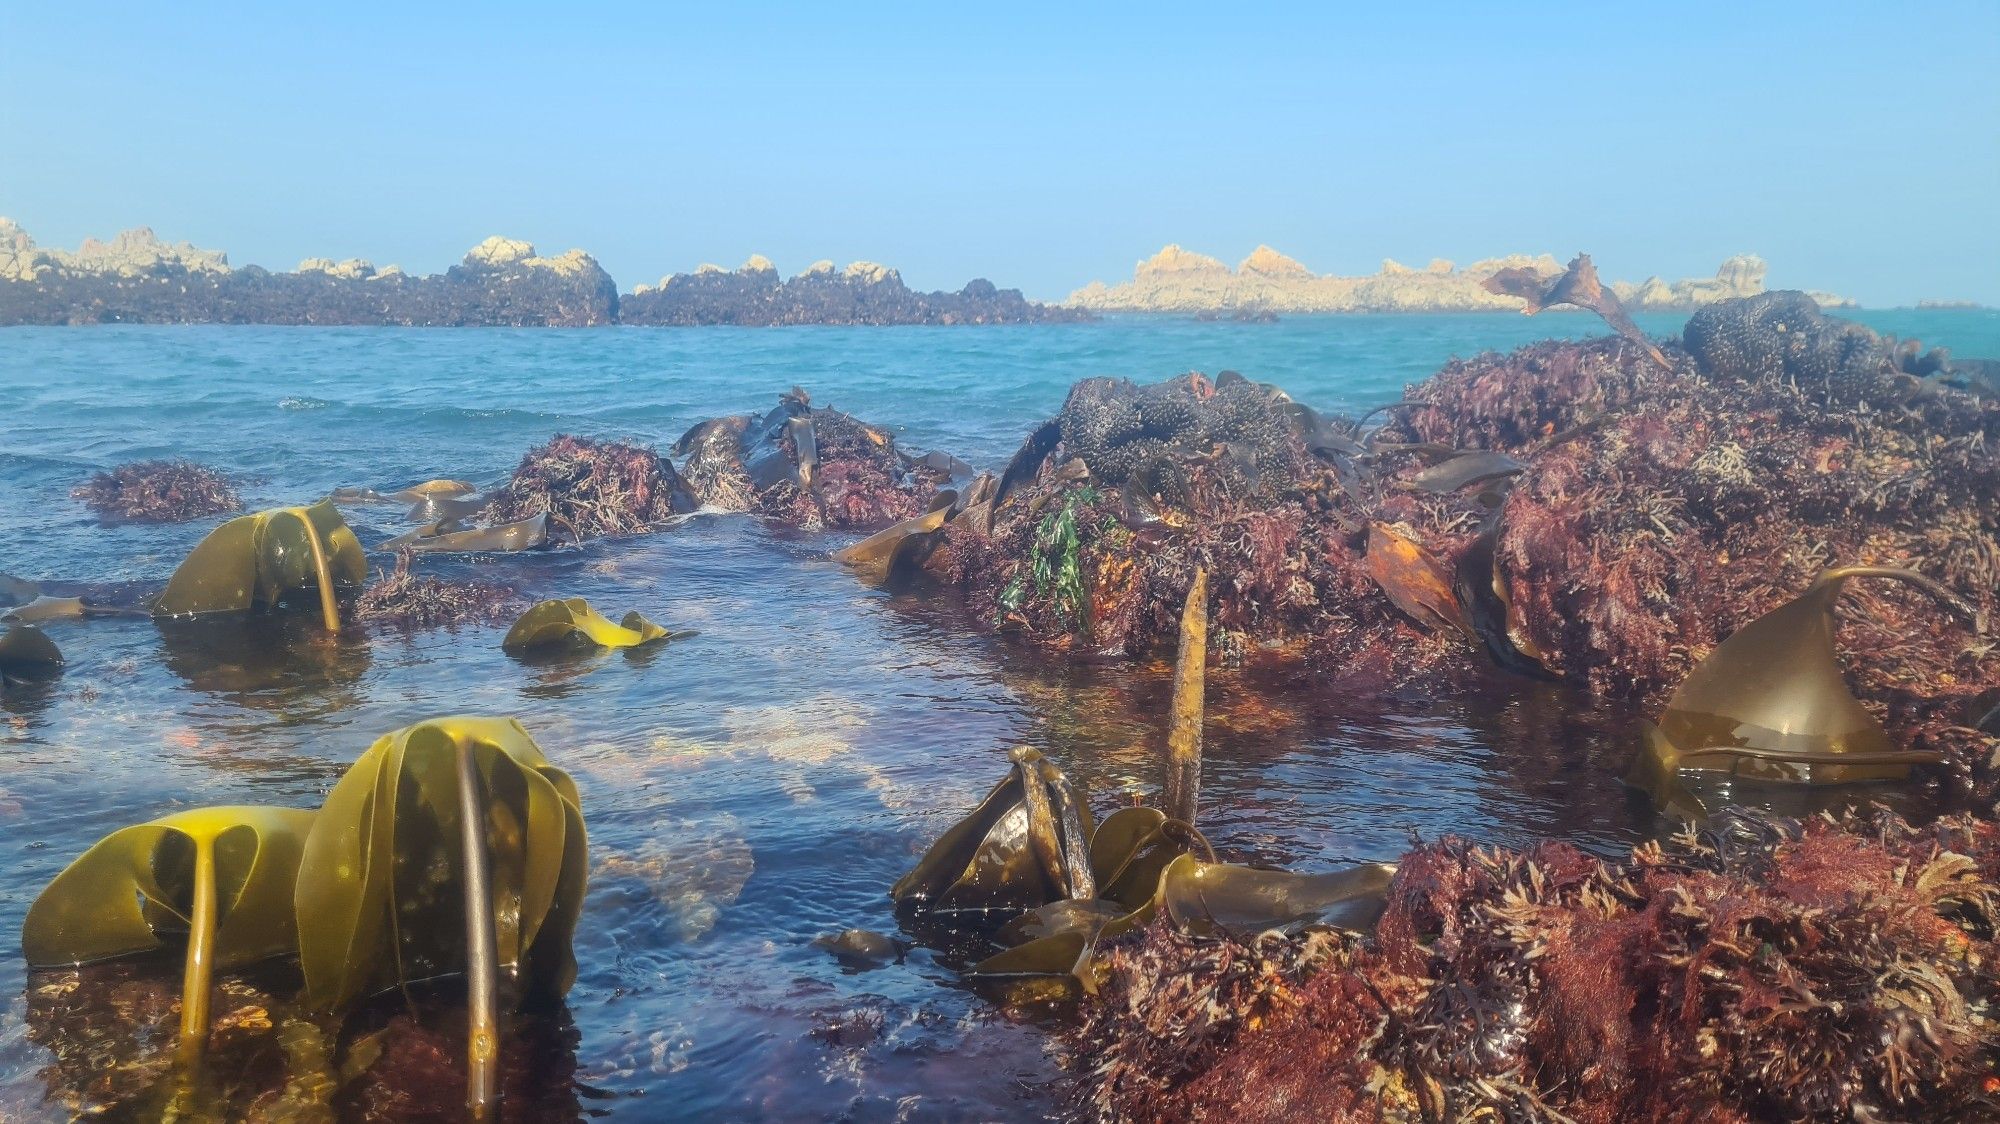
(1178, 280)
(138, 279)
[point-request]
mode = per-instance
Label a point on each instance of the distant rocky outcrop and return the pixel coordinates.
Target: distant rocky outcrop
(863, 293)
(136, 278)
(1177, 280)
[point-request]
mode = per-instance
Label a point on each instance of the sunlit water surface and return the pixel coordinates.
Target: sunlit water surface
(765, 782)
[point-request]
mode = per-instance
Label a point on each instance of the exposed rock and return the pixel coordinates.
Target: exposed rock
(863, 293)
(136, 278)
(1177, 280)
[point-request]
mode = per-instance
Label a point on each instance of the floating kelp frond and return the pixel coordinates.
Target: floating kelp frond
(589, 489)
(223, 875)
(249, 563)
(168, 491)
(402, 599)
(447, 537)
(414, 494)
(1770, 702)
(27, 653)
(451, 846)
(44, 608)
(573, 621)
(895, 553)
(1577, 285)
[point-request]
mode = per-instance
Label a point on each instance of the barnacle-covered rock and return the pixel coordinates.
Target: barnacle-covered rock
(1783, 336)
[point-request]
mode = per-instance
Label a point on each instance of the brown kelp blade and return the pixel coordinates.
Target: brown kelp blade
(524, 534)
(1015, 851)
(1415, 582)
(1487, 606)
(896, 552)
(27, 653)
(1463, 471)
(571, 621)
(1770, 702)
(1205, 897)
(1577, 285)
(252, 561)
(433, 489)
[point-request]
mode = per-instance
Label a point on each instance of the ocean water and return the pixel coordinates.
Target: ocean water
(764, 782)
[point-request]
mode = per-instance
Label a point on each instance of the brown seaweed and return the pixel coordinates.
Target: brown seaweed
(447, 537)
(165, 491)
(1012, 853)
(252, 562)
(1770, 703)
(26, 653)
(1577, 285)
(572, 622)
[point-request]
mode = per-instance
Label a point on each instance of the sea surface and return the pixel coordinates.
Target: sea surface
(764, 782)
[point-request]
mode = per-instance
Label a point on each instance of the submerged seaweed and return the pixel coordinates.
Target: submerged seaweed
(405, 600)
(163, 491)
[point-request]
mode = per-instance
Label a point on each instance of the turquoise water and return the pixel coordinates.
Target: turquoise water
(765, 782)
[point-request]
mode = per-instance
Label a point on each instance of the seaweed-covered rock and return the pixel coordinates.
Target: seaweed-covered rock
(1762, 969)
(811, 468)
(590, 488)
(1581, 511)
(164, 491)
(404, 600)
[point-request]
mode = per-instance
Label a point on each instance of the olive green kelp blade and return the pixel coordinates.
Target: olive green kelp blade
(27, 653)
(1770, 702)
(119, 896)
(1202, 897)
(253, 560)
(573, 621)
(380, 894)
(895, 552)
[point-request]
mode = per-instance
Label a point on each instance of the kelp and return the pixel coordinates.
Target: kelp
(26, 653)
(44, 608)
(447, 536)
(162, 491)
(450, 847)
(1182, 792)
(253, 561)
(1414, 580)
(1209, 897)
(1462, 470)
(572, 622)
(1577, 285)
(1770, 703)
(222, 877)
(1018, 849)
(895, 554)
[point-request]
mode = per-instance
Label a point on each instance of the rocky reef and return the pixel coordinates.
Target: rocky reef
(1177, 280)
(138, 279)
(863, 293)
(1575, 511)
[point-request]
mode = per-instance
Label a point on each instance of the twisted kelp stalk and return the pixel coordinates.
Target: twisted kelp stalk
(1183, 788)
(1756, 969)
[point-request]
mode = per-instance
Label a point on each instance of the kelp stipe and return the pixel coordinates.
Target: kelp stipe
(224, 876)
(459, 804)
(253, 560)
(1770, 703)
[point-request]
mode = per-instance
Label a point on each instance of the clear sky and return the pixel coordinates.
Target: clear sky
(1855, 146)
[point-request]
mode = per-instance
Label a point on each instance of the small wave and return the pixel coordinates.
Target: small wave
(301, 402)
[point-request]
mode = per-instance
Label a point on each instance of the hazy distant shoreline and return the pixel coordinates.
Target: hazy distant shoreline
(139, 278)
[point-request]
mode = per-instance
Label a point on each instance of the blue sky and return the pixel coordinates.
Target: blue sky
(1857, 147)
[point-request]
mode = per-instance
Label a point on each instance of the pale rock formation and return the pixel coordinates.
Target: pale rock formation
(868, 272)
(820, 266)
(757, 263)
(1179, 280)
(133, 253)
(352, 269)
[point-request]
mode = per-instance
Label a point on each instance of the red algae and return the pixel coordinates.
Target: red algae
(166, 491)
(1758, 969)
(593, 488)
(407, 601)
